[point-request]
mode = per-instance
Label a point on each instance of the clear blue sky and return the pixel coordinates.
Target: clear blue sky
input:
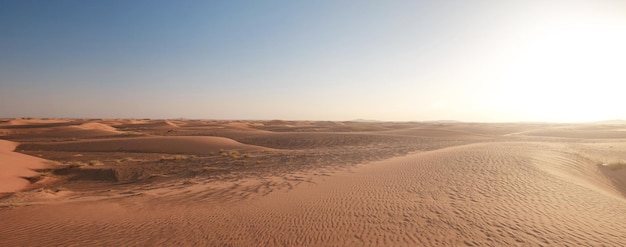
(316, 60)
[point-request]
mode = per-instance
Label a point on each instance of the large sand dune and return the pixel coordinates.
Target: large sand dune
(152, 144)
(63, 130)
(16, 168)
(395, 185)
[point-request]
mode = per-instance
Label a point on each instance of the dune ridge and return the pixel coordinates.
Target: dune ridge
(318, 184)
(476, 194)
(149, 144)
(15, 168)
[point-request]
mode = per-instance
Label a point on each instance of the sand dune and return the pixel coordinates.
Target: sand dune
(578, 133)
(93, 125)
(149, 124)
(15, 168)
(170, 144)
(493, 194)
(318, 184)
(65, 132)
(486, 194)
(438, 133)
(26, 126)
(37, 121)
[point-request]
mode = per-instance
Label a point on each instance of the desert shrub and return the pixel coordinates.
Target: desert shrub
(615, 165)
(94, 162)
(181, 157)
(177, 157)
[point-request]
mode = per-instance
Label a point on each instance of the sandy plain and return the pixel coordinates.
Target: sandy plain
(122, 182)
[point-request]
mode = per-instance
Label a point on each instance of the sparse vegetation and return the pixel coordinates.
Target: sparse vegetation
(11, 205)
(614, 165)
(131, 133)
(233, 154)
(177, 157)
(94, 163)
(58, 189)
(51, 163)
(123, 160)
(76, 164)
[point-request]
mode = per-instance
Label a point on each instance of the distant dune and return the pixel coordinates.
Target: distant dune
(123, 182)
(169, 145)
(611, 122)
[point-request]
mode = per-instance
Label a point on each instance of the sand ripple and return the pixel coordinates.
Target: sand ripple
(488, 194)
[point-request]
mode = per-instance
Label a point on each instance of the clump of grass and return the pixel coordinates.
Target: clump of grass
(181, 157)
(177, 157)
(94, 163)
(617, 165)
(76, 164)
(58, 189)
(233, 154)
(11, 205)
(33, 179)
(131, 133)
(157, 175)
(52, 163)
(122, 160)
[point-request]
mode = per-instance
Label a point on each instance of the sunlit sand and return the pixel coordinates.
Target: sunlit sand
(146, 182)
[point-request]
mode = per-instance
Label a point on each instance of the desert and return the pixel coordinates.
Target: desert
(312, 123)
(147, 182)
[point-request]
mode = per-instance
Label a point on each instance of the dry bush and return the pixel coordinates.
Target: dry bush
(615, 165)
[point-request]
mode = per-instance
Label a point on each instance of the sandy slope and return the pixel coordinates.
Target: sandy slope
(59, 130)
(310, 184)
(15, 167)
(150, 124)
(152, 144)
(492, 194)
(37, 121)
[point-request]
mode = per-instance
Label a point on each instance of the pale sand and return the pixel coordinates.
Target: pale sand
(500, 190)
(15, 167)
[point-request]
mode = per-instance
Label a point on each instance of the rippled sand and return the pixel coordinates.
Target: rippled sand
(491, 191)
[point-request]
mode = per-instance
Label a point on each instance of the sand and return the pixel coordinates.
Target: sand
(16, 168)
(327, 184)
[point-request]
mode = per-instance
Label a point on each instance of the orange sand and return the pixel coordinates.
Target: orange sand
(413, 184)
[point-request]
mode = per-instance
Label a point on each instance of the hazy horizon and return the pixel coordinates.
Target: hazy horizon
(472, 61)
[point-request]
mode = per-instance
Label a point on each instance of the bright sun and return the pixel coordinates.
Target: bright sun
(569, 67)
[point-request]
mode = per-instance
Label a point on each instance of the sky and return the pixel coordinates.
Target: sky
(477, 61)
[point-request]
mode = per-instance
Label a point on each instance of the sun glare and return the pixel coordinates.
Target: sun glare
(569, 68)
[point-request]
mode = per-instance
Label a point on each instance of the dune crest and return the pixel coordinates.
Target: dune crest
(96, 126)
(291, 183)
(16, 167)
(36, 121)
(152, 144)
